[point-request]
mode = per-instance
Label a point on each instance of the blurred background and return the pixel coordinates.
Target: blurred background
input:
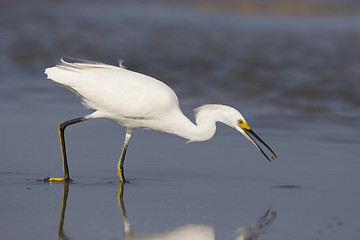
(294, 58)
(292, 68)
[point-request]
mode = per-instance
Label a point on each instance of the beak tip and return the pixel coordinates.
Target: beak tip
(248, 132)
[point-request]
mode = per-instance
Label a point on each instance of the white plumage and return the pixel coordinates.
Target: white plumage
(96, 83)
(135, 100)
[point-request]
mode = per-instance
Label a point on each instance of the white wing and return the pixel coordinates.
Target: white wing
(114, 90)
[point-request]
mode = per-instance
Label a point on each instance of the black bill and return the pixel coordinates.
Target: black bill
(251, 135)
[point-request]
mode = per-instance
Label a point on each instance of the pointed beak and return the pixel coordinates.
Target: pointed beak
(252, 137)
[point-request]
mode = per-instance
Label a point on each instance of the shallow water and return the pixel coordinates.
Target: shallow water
(294, 78)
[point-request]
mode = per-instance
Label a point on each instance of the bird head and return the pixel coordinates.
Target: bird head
(233, 118)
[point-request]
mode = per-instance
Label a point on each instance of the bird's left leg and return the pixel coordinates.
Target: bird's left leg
(120, 165)
(61, 129)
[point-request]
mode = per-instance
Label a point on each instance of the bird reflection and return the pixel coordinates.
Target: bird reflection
(252, 233)
(60, 230)
(189, 231)
(200, 232)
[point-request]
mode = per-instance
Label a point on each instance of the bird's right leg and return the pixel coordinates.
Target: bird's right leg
(61, 130)
(120, 165)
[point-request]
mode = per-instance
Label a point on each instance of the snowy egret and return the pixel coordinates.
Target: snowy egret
(135, 100)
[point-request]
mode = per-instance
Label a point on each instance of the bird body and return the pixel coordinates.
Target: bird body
(96, 83)
(135, 100)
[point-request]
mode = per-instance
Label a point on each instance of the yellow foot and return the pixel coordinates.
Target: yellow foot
(57, 179)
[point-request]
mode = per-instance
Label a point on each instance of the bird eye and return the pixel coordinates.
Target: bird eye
(242, 124)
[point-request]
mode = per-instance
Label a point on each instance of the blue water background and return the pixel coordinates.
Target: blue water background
(293, 73)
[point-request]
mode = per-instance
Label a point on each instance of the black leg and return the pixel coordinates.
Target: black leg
(61, 130)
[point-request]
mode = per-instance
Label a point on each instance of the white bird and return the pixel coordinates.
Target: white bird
(135, 100)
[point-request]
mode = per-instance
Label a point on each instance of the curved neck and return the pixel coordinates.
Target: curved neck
(202, 131)
(206, 116)
(180, 125)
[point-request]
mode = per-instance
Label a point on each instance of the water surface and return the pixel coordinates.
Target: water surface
(294, 77)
